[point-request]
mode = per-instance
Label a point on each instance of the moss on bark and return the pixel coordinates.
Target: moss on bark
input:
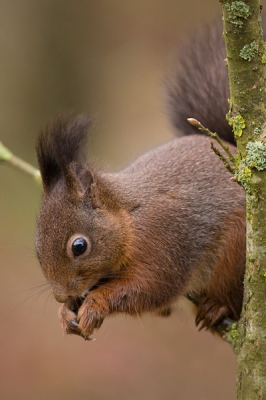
(247, 80)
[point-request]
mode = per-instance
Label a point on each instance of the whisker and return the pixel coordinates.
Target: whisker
(49, 297)
(18, 249)
(36, 295)
(41, 285)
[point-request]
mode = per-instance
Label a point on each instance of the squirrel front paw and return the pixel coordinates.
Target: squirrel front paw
(91, 314)
(68, 320)
(83, 320)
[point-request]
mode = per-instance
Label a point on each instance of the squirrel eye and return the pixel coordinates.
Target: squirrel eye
(79, 246)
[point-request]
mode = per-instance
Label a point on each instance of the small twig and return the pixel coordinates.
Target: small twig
(214, 136)
(6, 155)
(224, 160)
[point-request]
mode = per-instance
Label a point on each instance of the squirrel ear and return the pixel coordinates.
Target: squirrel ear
(78, 179)
(61, 143)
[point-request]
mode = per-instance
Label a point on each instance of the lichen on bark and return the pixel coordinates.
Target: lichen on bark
(247, 80)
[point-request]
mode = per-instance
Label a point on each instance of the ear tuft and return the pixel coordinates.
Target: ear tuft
(79, 179)
(61, 143)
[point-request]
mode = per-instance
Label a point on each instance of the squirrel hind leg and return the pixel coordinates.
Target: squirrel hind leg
(210, 313)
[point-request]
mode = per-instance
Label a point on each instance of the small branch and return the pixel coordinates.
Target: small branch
(215, 136)
(224, 160)
(7, 156)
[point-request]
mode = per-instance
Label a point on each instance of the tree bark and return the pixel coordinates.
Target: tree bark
(246, 59)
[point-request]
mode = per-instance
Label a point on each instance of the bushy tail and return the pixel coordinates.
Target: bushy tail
(199, 85)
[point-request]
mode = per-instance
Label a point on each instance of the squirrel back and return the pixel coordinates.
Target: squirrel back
(171, 224)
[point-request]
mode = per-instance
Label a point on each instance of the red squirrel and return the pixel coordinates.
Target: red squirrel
(171, 224)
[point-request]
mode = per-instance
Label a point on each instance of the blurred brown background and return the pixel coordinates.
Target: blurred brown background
(107, 58)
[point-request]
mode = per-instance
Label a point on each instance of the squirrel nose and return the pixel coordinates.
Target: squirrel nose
(60, 297)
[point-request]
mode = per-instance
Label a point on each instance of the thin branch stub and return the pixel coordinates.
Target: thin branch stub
(199, 126)
(7, 156)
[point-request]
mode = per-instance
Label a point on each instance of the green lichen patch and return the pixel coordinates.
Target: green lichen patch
(264, 276)
(230, 103)
(256, 155)
(237, 11)
(257, 131)
(233, 333)
(247, 172)
(243, 176)
(237, 123)
(263, 57)
(249, 51)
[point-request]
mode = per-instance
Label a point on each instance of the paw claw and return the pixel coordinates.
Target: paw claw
(210, 313)
(89, 339)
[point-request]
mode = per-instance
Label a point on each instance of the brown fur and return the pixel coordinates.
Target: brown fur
(171, 224)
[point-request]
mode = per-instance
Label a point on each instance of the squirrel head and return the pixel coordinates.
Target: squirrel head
(80, 235)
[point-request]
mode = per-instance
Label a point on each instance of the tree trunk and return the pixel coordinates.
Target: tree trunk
(246, 58)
